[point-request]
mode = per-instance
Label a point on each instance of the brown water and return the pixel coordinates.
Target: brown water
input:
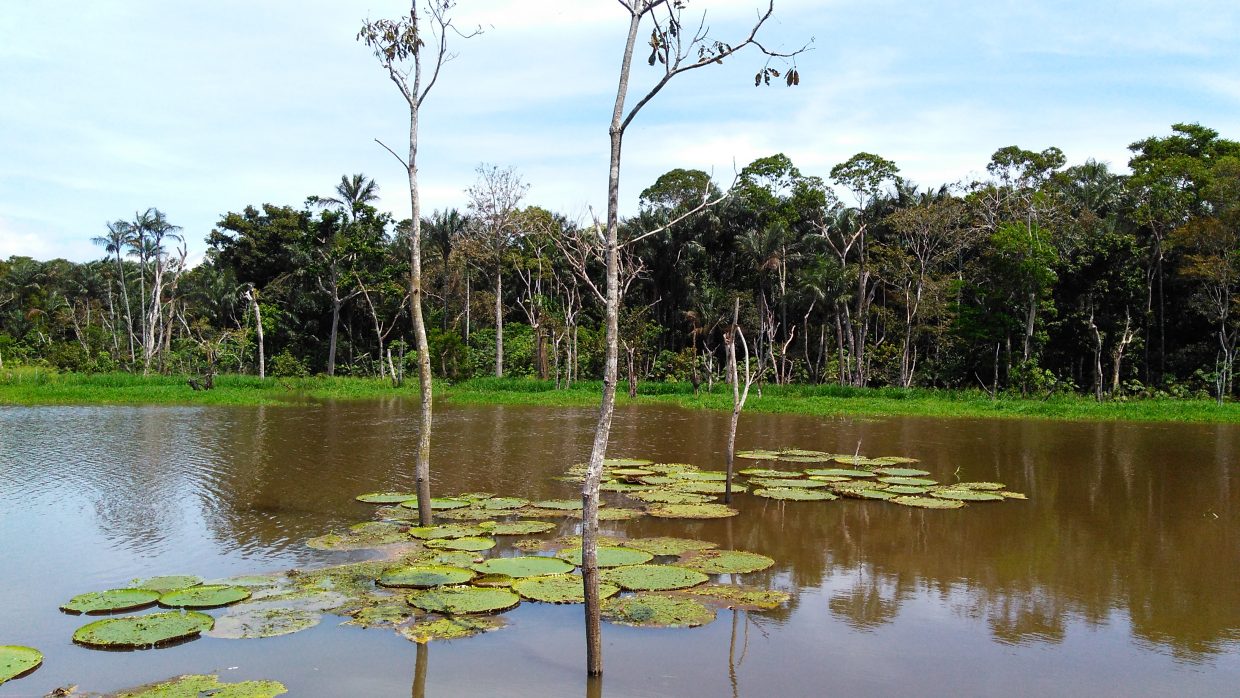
(1120, 576)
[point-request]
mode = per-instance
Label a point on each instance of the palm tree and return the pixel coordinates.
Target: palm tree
(352, 194)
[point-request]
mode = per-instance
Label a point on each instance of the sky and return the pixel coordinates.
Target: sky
(201, 107)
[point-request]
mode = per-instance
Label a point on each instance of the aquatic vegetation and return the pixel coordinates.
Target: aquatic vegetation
(795, 494)
(671, 497)
(664, 545)
(967, 495)
(424, 576)
(612, 514)
(470, 544)
(559, 588)
(464, 600)
(560, 504)
(724, 561)
(902, 472)
(438, 503)
(166, 583)
(705, 475)
(758, 455)
(446, 531)
(657, 611)
(841, 472)
(263, 621)
(907, 489)
(493, 580)
(504, 503)
(382, 615)
(212, 596)
(707, 487)
(765, 472)
(692, 511)
(369, 534)
(863, 493)
(784, 483)
(110, 601)
(739, 597)
(141, 632)
(928, 502)
(387, 497)
(908, 481)
(515, 528)
(608, 556)
(16, 661)
(524, 566)
(985, 486)
(194, 686)
(653, 577)
(454, 628)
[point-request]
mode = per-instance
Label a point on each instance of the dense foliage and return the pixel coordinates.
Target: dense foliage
(1040, 278)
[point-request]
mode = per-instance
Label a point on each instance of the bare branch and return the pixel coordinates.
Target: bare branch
(393, 152)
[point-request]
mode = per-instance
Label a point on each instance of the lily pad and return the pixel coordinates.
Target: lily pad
(671, 497)
(387, 497)
(630, 472)
(804, 452)
(692, 511)
(438, 503)
(541, 513)
(981, 486)
(166, 583)
(471, 544)
(902, 472)
(524, 566)
(795, 494)
(560, 504)
(928, 502)
(866, 494)
(371, 534)
(841, 472)
(627, 462)
(212, 596)
(906, 489)
(830, 478)
(264, 621)
(758, 454)
(664, 545)
(895, 460)
(424, 576)
(193, 686)
(804, 459)
(504, 503)
(469, 513)
(617, 486)
(559, 588)
(139, 632)
(1012, 495)
(843, 487)
(384, 615)
(703, 475)
(609, 556)
(771, 483)
(705, 487)
(450, 628)
(16, 661)
(967, 495)
(657, 611)
(612, 514)
(464, 600)
(765, 472)
(446, 531)
(110, 601)
(516, 528)
(909, 481)
(653, 577)
(658, 480)
(740, 597)
(725, 561)
(493, 580)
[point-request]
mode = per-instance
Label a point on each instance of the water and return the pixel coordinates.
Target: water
(1117, 577)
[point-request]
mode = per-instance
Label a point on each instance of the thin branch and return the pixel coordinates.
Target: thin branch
(393, 152)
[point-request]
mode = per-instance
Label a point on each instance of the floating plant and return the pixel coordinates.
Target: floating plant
(927, 502)
(664, 545)
(560, 504)
(455, 628)
(370, 534)
(503, 503)
(140, 632)
(740, 597)
(515, 528)
(841, 472)
(906, 489)
(471, 544)
(206, 596)
(493, 580)
(612, 514)
(438, 503)
(692, 511)
(608, 556)
(445, 531)
(424, 576)
(524, 566)
(866, 493)
(771, 483)
(758, 455)
(387, 497)
(266, 621)
(464, 600)
(795, 494)
(653, 577)
(909, 481)
(166, 583)
(764, 472)
(671, 497)
(559, 588)
(16, 661)
(967, 495)
(111, 601)
(193, 686)
(724, 561)
(657, 611)
(704, 475)
(902, 472)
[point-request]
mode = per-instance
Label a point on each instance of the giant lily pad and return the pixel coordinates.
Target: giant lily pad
(524, 566)
(371, 534)
(449, 628)
(724, 561)
(464, 599)
(207, 596)
(784, 483)
(657, 611)
(1011, 495)
(16, 661)
(612, 514)
(110, 601)
(795, 494)
(446, 531)
(906, 489)
(438, 503)
(902, 472)
(658, 480)
(504, 503)
(264, 621)
(758, 454)
(866, 493)
(617, 486)
(195, 686)
(139, 632)
(471, 543)
(703, 487)
(383, 615)
(469, 513)
(841, 472)
(629, 472)
(560, 504)
(765, 472)
(804, 459)
(627, 462)
(671, 497)
(424, 576)
(493, 580)
(982, 486)
(664, 545)
(559, 588)
(609, 556)
(928, 502)
(692, 511)
(516, 528)
(653, 577)
(702, 475)
(166, 583)
(387, 497)
(908, 481)
(741, 597)
(967, 495)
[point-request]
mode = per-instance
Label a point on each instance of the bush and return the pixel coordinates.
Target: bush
(285, 365)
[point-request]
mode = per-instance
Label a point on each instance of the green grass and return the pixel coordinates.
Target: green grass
(30, 386)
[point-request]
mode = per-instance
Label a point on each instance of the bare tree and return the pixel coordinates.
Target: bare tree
(739, 396)
(494, 202)
(413, 60)
(675, 49)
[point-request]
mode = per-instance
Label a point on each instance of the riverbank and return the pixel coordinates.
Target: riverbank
(26, 386)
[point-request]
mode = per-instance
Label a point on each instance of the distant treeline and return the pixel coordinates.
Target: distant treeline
(1040, 278)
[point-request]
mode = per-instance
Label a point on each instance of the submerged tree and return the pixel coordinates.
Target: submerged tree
(675, 49)
(413, 64)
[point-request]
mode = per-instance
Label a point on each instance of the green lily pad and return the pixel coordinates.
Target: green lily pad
(671, 497)
(110, 601)
(493, 580)
(692, 511)
(666, 468)
(371, 534)
(193, 686)
(140, 632)
(16, 661)
(657, 611)
(617, 486)
(469, 513)
(841, 472)
(516, 528)
(906, 489)
(630, 472)
(702, 475)
(352, 579)
(785, 483)
(424, 576)
(740, 597)
(724, 561)
(928, 502)
(902, 472)
(866, 494)
(860, 462)
(472, 544)
(704, 487)
(843, 487)
(264, 621)
(541, 513)
(758, 455)
(452, 558)
(464, 600)
(384, 615)
(804, 452)
(830, 478)
(504, 503)
(967, 495)
(212, 596)
(896, 460)
(559, 588)
(804, 459)
(653, 577)
(627, 462)
(658, 480)
(795, 494)
(981, 486)
(446, 531)
(664, 545)
(560, 504)
(166, 583)
(387, 497)
(1011, 495)
(524, 566)
(908, 481)
(609, 556)
(438, 503)
(612, 514)
(766, 472)
(455, 628)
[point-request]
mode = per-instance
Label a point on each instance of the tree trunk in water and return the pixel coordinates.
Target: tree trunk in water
(499, 325)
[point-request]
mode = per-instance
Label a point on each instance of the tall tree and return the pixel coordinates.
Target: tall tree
(494, 203)
(413, 50)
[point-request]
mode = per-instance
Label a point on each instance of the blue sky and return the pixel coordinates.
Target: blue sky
(201, 107)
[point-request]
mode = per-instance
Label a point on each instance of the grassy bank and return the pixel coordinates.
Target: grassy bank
(25, 386)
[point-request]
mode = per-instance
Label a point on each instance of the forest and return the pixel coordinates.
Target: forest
(1038, 278)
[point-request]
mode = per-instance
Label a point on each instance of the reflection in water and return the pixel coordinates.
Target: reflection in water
(419, 670)
(1130, 527)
